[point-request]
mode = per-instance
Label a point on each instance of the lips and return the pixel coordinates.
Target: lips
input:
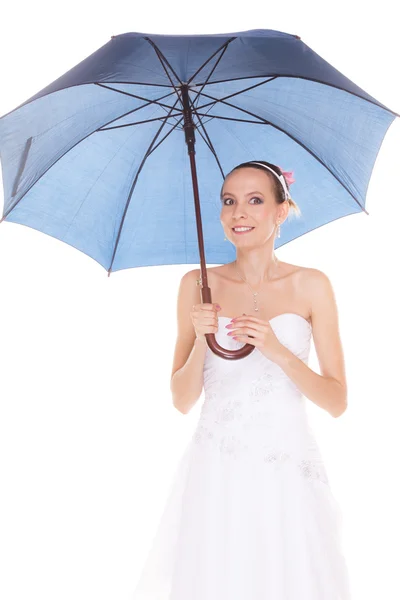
(245, 231)
(241, 226)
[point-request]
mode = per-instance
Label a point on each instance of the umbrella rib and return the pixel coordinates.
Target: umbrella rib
(205, 140)
(220, 49)
(163, 59)
(231, 119)
(166, 135)
(140, 97)
(147, 154)
(210, 144)
(68, 149)
(210, 74)
(212, 104)
(251, 87)
(21, 167)
(148, 102)
(223, 101)
(262, 120)
(141, 122)
(144, 83)
(174, 116)
(336, 87)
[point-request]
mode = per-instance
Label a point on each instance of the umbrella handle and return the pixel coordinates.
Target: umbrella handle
(212, 342)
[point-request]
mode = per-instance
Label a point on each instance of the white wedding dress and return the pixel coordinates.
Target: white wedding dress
(250, 514)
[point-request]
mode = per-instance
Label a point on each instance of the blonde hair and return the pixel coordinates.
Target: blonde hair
(294, 209)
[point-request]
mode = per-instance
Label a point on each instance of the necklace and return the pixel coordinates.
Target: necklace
(255, 294)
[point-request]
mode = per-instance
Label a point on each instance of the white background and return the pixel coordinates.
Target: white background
(89, 439)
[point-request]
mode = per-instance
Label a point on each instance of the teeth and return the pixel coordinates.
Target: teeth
(242, 228)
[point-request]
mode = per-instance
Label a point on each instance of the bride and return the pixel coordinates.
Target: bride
(250, 514)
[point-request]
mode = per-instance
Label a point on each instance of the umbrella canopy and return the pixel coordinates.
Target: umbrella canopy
(72, 153)
(98, 158)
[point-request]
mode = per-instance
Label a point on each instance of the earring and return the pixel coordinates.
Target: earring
(278, 232)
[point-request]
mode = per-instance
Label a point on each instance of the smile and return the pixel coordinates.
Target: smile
(241, 230)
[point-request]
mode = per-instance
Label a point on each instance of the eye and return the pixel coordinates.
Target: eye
(254, 198)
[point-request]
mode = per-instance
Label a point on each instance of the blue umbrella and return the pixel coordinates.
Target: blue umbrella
(99, 158)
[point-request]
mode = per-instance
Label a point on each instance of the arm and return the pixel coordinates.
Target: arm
(328, 390)
(187, 369)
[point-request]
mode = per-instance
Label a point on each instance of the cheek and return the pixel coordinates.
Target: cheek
(264, 213)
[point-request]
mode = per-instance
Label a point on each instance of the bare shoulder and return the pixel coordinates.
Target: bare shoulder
(315, 276)
(313, 290)
(190, 281)
(322, 302)
(191, 277)
(188, 293)
(216, 276)
(317, 283)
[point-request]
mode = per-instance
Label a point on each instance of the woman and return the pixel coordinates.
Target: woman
(250, 515)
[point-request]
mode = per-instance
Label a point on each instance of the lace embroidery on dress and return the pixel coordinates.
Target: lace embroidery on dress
(253, 409)
(234, 447)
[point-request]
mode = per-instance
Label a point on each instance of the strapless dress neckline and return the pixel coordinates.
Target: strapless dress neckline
(285, 314)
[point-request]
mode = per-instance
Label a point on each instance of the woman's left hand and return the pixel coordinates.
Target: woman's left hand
(251, 330)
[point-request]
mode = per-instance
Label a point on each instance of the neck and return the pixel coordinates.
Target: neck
(256, 268)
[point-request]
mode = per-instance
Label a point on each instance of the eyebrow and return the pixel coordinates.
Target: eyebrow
(230, 194)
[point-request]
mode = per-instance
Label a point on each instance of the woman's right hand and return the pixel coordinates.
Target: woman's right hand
(205, 319)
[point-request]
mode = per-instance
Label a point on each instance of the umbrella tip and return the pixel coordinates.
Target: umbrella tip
(297, 37)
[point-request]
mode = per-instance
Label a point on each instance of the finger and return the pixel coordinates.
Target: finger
(245, 331)
(247, 319)
(206, 310)
(246, 339)
(245, 328)
(206, 306)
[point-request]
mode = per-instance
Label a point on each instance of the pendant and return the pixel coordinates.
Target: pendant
(255, 301)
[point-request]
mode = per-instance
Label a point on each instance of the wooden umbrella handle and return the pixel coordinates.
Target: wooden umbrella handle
(212, 342)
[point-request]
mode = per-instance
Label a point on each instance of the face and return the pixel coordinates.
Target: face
(248, 199)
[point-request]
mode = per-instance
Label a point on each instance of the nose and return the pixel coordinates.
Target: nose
(239, 212)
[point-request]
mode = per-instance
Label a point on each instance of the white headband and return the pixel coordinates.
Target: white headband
(280, 178)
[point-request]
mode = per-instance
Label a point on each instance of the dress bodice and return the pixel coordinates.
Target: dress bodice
(255, 377)
(251, 404)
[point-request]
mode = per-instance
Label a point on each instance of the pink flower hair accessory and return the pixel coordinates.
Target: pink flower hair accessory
(288, 175)
(285, 179)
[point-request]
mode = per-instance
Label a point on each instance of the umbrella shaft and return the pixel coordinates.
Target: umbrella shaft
(190, 141)
(205, 290)
(188, 124)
